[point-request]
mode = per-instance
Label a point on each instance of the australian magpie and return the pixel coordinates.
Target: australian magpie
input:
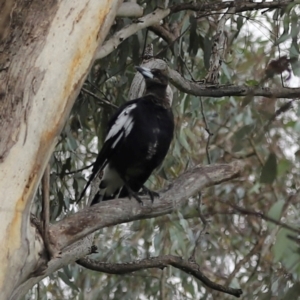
(137, 140)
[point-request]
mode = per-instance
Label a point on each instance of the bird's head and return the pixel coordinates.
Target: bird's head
(157, 85)
(154, 77)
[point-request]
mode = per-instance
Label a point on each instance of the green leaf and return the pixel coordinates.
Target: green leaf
(66, 166)
(286, 28)
(67, 281)
(226, 71)
(283, 166)
(239, 22)
(276, 14)
(296, 68)
(246, 100)
(284, 249)
(282, 38)
(207, 51)
(252, 82)
(183, 141)
(72, 143)
(275, 211)
(244, 132)
(294, 51)
(269, 170)
(193, 40)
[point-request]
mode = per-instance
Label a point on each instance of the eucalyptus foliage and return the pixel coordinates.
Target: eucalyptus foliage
(238, 247)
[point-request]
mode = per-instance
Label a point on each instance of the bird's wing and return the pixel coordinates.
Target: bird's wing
(122, 125)
(119, 127)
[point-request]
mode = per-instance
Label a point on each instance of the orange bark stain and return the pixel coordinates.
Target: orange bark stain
(86, 47)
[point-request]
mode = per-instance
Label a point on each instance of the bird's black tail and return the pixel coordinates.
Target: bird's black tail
(99, 165)
(86, 187)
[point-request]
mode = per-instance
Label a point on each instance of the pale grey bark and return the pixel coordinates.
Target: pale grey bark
(46, 52)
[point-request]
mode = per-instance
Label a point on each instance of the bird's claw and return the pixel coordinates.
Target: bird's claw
(151, 193)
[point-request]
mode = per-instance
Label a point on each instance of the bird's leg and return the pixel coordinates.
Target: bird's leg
(131, 193)
(151, 194)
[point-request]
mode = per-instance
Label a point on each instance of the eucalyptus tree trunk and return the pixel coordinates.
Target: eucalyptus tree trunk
(46, 51)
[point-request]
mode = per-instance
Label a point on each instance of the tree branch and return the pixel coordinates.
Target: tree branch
(258, 214)
(46, 212)
(98, 98)
(164, 33)
(189, 267)
(109, 213)
(159, 14)
(148, 20)
(218, 91)
(240, 6)
(256, 248)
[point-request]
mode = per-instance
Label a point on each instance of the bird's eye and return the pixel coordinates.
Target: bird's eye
(156, 73)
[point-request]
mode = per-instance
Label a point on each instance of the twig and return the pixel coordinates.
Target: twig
(159, 14)
(163, 32)
(46, 211)
(162, 284)
(207, 130)
(203, 230)
(245, 259)
(246, 211)
(146, 21)
(186, 67)
(282, 109)
(173, 42)
(189, 267)
(98, 98)
(261, 161)
(239, 5)
(37, 223)
(76, 171)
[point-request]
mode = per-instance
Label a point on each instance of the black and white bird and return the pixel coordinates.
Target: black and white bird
(137, 141)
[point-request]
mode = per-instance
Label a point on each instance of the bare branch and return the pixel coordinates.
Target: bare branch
(120, 36)
(203, 230)
(189, 267)
(98, 98)
(164, 33)
(109, 213)
(218, 91)
(257, 247)
(240, 6)
(46, 212)
(156, 16)
(75, 171)
(258, 214)
(208, 132)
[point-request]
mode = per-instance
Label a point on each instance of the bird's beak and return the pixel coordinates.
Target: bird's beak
(145, 72)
